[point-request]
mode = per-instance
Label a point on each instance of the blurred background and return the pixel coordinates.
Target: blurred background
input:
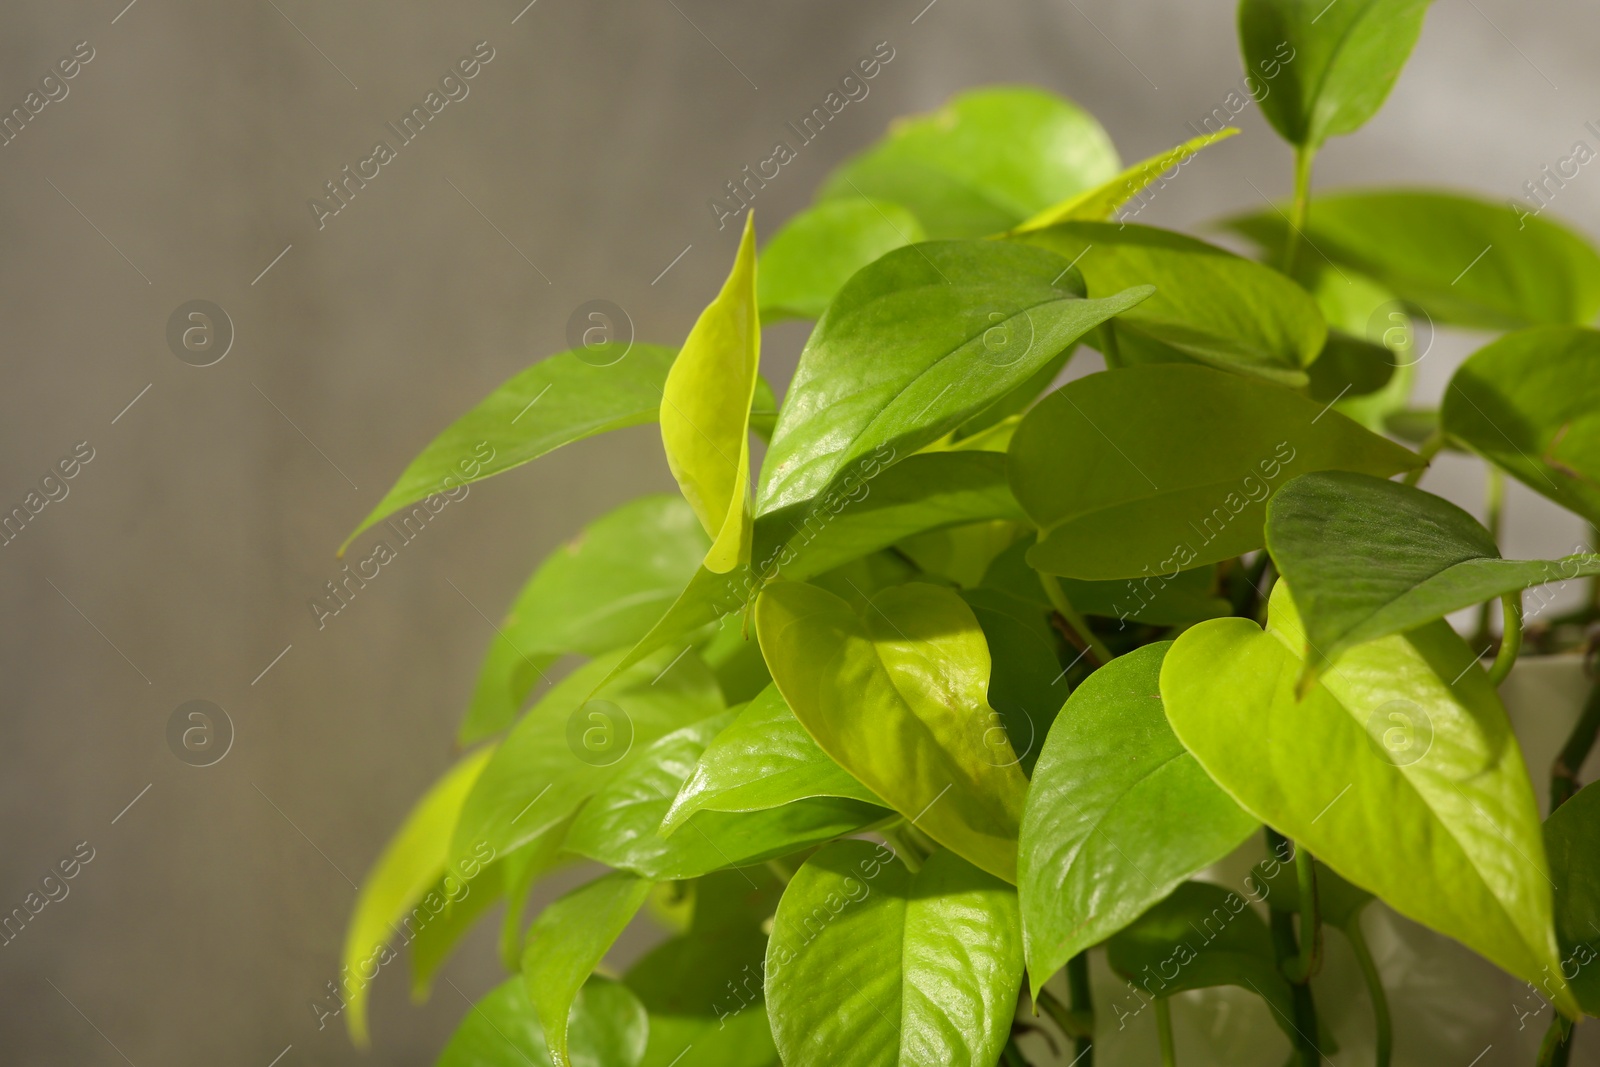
(178, 167)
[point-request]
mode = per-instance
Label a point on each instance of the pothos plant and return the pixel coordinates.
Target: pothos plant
(971, 676)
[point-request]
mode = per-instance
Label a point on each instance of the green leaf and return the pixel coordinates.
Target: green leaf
(922, 492)
(709, 604)
(1349, 366)
(982, 163)
(415, 858)
(555, 402)
(1026, 683)
(961, 554)
(1186, 598)
(1118, 815)
(1463, 261)
(1530, 404)
(565, 944)
(461, 903)
(600, 591)
(765, 759)
(607, 1029)
(1101, 202)
(816, 252)
(1368, 558)
(869, 391)
(1148, 471)
(520, 871)
(705, 410)
(568, 745)
(1208, 936)
(1210, 305)
(1572, 838)
(1398, 770)
(1342, 60)
(870, 965)
(620, 825)
(704, 990)
(897, 695)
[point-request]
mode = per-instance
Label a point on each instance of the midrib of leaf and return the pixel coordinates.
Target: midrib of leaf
(1337, 49)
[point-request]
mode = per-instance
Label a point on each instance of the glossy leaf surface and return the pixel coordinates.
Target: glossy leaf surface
(1368, 558)
(868, 391)
(897, 695)
(1398, 770)
(1118, 815)
(1210, 305)
(764, 759)
(621, 824)
(1572, 839)
(1149, 471)
(870, 965)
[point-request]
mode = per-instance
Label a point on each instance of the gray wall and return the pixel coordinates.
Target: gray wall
(179, 566)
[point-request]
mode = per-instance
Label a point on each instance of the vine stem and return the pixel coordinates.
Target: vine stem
(1078, 1025)
(1286, 948)
(1164, 1032)
(1058, 600)
(1300, 208)
(1494, 499)
(1510, 637)
(1556, 1047)
(1082, 1006)
(1374, 981)
(1308, 960)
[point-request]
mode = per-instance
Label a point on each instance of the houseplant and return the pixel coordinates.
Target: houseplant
(973, 677)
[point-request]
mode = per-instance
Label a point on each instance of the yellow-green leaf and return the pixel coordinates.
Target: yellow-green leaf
(705, 410)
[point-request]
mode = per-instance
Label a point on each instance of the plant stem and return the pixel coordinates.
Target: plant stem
(1299, 208)
(1078, 1025)
(1510, 637)
(1380, 1000)
(1011, 1055)
(1430, 448)
(1164, 1032)
(1058, 600)
(1082, 1005)
(1556, 1047)
(1494, 498)
(1308, 960)
(1245, 593)
(1286, 948)
(1569, 761)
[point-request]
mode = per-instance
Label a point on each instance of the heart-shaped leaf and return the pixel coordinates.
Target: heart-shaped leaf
(861, 515)
(607, 1028)
(705, 410)
(815, 253)
(988, 315)
(1210, 305)
(897, 695)
(1204, 935)
(1463, 261)
(870, 965)
(1099, 203)
(1368, 558)
(1530, 404)
(1026, 683)
(414, 860)
(565, 944)
(620, 825)
(982, 163)
(1321, 69)
(1148, 471)
(1398, 770)
(555, 402)
(600, 591)
(568, 745)
(764, 759)
(1118, 815)
(1572, 838)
